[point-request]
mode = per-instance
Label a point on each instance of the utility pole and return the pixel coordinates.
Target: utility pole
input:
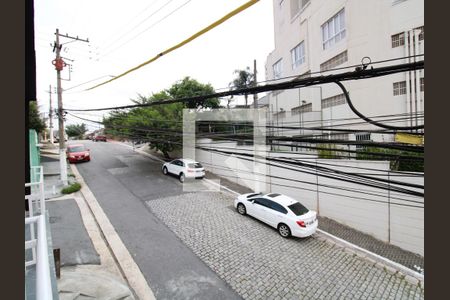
(50, 114)
(255, 95)
(59, 65)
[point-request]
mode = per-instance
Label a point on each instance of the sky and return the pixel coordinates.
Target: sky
(124, 34)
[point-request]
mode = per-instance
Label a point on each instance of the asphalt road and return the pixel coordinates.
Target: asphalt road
(123, 181)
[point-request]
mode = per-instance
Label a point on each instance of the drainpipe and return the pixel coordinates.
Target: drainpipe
(409, 77)
(417, 76)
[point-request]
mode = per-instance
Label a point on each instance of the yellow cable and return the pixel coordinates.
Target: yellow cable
(215, 24)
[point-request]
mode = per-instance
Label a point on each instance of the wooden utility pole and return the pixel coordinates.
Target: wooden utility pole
(255, 95)
(59, 65)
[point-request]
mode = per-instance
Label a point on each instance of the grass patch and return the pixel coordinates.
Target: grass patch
(74, 187)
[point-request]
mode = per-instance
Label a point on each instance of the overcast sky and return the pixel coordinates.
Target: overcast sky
(123, 34)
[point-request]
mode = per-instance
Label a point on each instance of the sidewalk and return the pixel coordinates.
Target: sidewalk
(88, 268)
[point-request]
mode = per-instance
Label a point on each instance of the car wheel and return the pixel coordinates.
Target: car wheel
(241, 209)
(284, 230)
(182, 178)
(165, 171)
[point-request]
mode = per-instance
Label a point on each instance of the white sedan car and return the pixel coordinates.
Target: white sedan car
(184, 168)
(279, 211)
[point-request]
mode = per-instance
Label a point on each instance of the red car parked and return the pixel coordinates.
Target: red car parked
(77, 152)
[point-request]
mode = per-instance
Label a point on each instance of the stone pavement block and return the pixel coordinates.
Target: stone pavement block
(205, 223)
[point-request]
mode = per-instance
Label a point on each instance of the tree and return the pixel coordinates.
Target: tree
(34, 120)
(188, 87)
(243, 79)
(77, 130)
(161, 125)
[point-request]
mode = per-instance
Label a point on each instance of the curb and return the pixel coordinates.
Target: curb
(373, 257)
(128, 266)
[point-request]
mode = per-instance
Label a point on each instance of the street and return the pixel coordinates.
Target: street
(122, 181)
(195, 246)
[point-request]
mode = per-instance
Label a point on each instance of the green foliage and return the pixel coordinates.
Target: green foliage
(161, 125)
(77, 130)
(74, 187)
(330, 151)
(403, 162)
(34, 120)
(190, 88)
(243, 79)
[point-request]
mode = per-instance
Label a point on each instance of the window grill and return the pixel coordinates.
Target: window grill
(334, 61)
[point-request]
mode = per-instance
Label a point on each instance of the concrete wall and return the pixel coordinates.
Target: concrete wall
(368, 209)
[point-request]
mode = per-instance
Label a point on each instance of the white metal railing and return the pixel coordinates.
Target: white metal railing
(38, 244)
(43, 279)
(37, 191)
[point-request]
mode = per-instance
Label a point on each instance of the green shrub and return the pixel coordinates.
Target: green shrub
(75, 187)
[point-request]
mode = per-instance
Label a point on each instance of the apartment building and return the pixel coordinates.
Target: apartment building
(314, 36)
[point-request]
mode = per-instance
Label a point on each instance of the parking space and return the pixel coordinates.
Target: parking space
(259, 264)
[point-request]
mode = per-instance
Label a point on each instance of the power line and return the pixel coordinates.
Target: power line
(361, 179)
(370, 73)
(392, 189)
(134, 18)
(171, 132)
(148, 28)
(186, 41)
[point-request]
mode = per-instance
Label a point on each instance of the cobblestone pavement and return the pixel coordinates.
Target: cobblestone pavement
(372, 244)
(259, 264)
(356, 237)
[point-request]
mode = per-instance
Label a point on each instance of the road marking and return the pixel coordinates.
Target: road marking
(129, 267)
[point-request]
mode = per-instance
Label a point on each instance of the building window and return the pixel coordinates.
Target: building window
(422, 32)
(399, 88)
(339, 136)
(301, 109)
(298, 55)
(297, 6)
(361, 137)
(333, 30)
(422, 84)
(277, 69)
(280, 114)
(398, 40)
(334, 62)
(333, 101)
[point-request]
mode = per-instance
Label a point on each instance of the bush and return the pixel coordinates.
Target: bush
(75, 187)
(405, 160)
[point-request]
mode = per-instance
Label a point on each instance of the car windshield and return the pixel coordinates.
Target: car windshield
(298, 209)
(77, 149)
(195, 166)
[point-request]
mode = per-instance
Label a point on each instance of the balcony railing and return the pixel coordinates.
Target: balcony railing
(36, 221)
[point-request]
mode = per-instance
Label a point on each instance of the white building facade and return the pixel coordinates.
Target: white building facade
(313, 36)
